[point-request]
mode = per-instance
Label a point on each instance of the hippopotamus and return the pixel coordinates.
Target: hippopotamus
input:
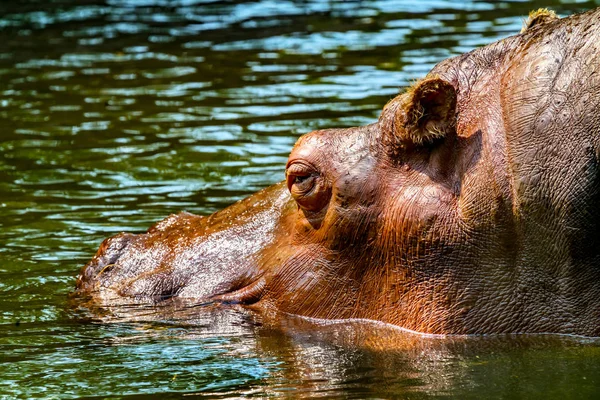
(471, 206)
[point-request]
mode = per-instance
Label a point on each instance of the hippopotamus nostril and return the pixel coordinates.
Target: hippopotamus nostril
(106, 268)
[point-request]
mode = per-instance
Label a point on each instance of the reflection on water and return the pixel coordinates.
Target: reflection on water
(116, 113)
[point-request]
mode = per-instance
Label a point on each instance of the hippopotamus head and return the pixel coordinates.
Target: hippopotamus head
(470, 206)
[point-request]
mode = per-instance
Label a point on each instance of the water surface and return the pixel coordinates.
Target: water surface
(115, 114)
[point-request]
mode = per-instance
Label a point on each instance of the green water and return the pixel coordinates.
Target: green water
(115, 114)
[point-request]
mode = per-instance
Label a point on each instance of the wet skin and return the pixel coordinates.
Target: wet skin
(470, 206)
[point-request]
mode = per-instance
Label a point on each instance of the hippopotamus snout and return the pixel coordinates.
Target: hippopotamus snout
(105, 260)
(131, 265)
(183, 256)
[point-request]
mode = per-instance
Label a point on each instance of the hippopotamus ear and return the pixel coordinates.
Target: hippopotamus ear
(430, 111)
(425, 113)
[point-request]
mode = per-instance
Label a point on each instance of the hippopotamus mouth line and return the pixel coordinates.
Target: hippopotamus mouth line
(247, 295)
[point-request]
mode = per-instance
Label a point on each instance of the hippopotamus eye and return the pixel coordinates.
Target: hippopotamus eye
(299, 180)
(300, 177)
(306, 185)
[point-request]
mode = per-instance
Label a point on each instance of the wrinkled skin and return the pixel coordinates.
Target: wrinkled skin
(470, 206)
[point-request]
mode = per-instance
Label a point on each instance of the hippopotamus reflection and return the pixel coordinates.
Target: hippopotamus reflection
(471, 206)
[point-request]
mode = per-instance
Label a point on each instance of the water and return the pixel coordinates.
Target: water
(115, 114)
